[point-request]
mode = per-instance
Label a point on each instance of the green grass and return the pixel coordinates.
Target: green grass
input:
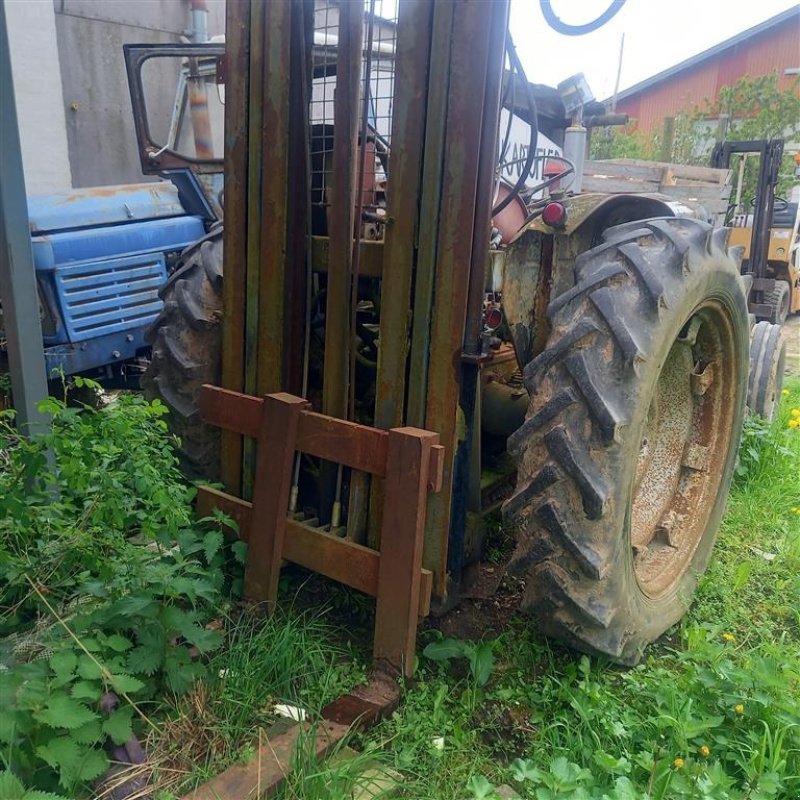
(291, 658)
(712, 712)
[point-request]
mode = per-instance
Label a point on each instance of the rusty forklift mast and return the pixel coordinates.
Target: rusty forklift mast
(436, 241)
(584, 364)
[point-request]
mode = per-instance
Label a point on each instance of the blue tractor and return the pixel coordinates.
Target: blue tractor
(103, 254)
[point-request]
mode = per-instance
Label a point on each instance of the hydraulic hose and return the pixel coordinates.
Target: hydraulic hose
(578, 30)
(517, 67)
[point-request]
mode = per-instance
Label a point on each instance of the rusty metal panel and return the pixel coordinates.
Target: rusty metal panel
(341, 213)
(235, 234)
(274, 212)
(400, 244)
(438, 87)
(469, 65)
(253, 248)
(298, 246)
(525, 283)
(399, 259)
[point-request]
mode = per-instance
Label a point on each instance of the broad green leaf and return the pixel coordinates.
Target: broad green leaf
(136, 605)
(204, 640)
(212, 542)
(480, 788)
(62, 753)
(88, 668)
(481, 661)
(10, 787)
(92, 765)
(89, 733)
(126, 684)
(117, 643)
(609, 763)
(565, 772)
(86, 690)
(63, 663)
(695, 727)
(118, 725)
(625, 790)
(445, 649)
(36, 795)
(8, 727)
(180, 671)
(63, 711)
(239, 550)
(523, 770)
(145, 660)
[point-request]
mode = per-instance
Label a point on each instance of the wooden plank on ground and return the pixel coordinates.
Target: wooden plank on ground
(263, 775)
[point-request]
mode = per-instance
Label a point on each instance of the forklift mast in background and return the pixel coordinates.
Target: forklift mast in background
(770, 152)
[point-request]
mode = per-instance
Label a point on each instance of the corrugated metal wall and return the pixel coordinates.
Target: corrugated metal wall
(772, 51)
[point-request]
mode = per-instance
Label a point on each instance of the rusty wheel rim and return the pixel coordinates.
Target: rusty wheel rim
(683, 449)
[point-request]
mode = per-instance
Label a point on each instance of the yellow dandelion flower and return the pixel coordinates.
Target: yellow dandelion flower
(728, 637)
(785, 392)
(795, 412)
(704, 750)
(678, 763)
(794, 423)
(796, 510)
(739, 708)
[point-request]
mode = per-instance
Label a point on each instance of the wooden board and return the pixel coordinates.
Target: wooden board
(347, 562)
(263, 775)
(337, 440)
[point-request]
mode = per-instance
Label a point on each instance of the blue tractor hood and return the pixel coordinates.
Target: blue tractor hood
(103, 205)
(101, 255)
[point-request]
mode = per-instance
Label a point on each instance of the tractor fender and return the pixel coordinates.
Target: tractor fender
(605, 210)
(538, 261)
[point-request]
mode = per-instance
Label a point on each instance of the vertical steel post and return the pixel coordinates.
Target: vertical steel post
(266, 208)
(18, 294)
(399, 249)
(275, 147)
(237, 93)
(341, 214)
(467, 467)
(471, 60)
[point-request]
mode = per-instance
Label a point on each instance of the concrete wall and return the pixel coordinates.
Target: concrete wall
(90, 34)
(37, 87)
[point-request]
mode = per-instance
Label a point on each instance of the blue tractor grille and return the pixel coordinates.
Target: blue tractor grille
(110, 296)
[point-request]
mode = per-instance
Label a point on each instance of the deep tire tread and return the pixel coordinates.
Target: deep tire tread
(604, 331)
(186, 341)
(578, 465)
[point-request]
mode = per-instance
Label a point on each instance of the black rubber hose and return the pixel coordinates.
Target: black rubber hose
(516, 65)
(578, 30)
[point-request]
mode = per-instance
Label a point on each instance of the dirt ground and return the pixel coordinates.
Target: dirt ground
(792, 329)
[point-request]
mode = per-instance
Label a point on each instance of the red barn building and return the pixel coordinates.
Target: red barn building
(772, 46)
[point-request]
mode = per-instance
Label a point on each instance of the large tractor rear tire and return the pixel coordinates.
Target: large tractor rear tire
(186, 338)
(629, 445)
